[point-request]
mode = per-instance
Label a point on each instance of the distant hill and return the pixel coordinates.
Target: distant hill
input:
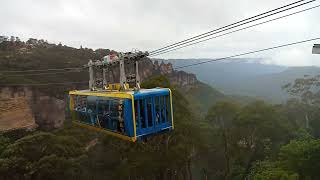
(269, 86)
(201, 96)
(224, 75)
(247, 77)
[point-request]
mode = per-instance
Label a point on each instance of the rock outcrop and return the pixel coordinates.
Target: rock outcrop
(27, 107)
(148, 68)
(178, 78)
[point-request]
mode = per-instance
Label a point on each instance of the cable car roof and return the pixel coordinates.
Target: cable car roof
(122, 94)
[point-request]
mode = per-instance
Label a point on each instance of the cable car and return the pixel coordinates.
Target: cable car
(132, 114)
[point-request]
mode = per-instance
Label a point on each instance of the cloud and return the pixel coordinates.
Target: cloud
(148, 25)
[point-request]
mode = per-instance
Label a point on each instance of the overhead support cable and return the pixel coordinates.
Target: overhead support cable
(39, 74)
(228, 27)
(43, 70)
(197, 42)
(43, 84)
(251, 52)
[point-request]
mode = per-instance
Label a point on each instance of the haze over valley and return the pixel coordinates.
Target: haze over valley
(247, 77)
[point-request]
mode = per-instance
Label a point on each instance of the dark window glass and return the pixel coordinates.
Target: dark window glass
(80, 103)
(157, 109)
(163, 108)
(142, 113)
(91, 104)
(168, 108)
(114, 108)
(149, 108)
(80, 109)
(136, 112)
(104, 113)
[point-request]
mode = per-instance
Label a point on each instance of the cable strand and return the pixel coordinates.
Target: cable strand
(210, 32)
(251, 52)
(197, 42)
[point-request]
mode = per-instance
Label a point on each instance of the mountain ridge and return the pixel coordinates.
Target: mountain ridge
(247, 76)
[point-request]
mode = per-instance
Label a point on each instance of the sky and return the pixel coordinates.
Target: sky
(147, 25)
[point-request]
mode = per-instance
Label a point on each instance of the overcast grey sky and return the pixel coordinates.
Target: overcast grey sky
(151, 24)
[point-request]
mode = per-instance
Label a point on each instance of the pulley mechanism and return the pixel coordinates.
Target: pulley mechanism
(110, 62)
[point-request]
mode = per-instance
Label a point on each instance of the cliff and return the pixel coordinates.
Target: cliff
(27, 107)
(148, 68)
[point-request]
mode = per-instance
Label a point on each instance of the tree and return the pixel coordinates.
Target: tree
(299, 159)
(303, 157)
(54, 167)
(270, 170)
(307, 90)
(222, 115)
(4, 142)
(30, 156)
(260, 131)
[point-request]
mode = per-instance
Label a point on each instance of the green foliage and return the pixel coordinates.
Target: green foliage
(268, 170)
(31, 156)
(46, 56)
(55, 167)
(42, 144)
(298, 159)
(201, 97)
(260, 121)
(158, 81)
(303, 157)
(16, 134)
(246, 134)
(4, 142)
(223, 113)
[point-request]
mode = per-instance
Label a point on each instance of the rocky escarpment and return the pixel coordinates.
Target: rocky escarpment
(148, 68)
(27, 107)
(177, 78)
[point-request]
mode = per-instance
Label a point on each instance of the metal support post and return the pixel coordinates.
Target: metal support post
(123, 78)
(104, 74)
(91, 76)
(137, 75)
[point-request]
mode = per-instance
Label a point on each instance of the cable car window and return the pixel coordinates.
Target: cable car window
(91, 110)
(157, 109)
(163, 109)
(149, 111)
(103, 113)
(80, 108)
(121, 125)
(91, 104)
(168, 108)
(80, 103)
(114, 108)
(136, 113)
(142, 113)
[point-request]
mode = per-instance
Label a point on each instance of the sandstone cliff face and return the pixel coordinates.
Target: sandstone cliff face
(15, 109)
(178, 78)
(182, 79)
(27, 107)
